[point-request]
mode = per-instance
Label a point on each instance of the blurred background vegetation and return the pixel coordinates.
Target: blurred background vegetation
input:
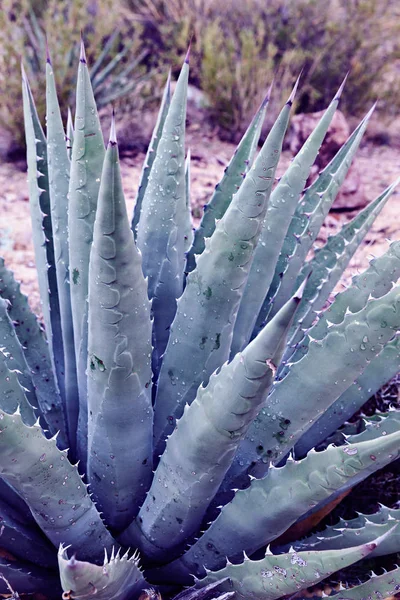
(238, 47)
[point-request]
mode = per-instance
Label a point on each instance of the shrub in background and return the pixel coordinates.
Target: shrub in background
(241, 45)
(24, 26)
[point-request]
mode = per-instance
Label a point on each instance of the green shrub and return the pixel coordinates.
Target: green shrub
(240, 46)
(24, 27)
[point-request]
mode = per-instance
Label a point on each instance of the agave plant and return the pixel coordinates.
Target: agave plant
(173, 409)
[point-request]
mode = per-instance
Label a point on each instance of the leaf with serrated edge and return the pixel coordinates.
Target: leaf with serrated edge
(307, 220)
(276, 576)
(51, 486)
(199, 344)
(282, 422)
(151, 154)
(42, 232)
(118, 578)
(196, 458)
(364, 528)
(119, 358)
(281, 207)
(313, 480)
(59, 166)
(159, 236)
(328, 265)
(37, 355)
(86, 164)
(378, 372)
(231, 181)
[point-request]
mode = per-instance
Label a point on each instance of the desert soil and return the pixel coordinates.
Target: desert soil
(378, 166)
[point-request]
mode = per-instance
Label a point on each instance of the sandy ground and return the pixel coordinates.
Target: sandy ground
(378, 166)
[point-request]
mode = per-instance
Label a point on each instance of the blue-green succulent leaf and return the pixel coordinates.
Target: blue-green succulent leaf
(306, 222)
(51, 486)
(377, 587)
(202, 447)
(231, 181)
(36, 352)
(187, 214)
(86, 164)
(58, 168)
(25, 578)
(151, 153)
(39, 202)
(364, 528)
(326, 268)
(285, 494)
(118, 578)
(341, 355)
(281, 207)
(160, 237)
(201, 332)
(119, 360)
(378, 372)
(276, 576)
(17, 389)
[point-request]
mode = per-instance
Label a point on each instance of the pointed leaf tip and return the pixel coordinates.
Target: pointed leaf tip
(48, 58)
(188, 53)
(113, 133)
(300, 290)
(340, 90)
(269, 92)
(82, 56)
(294, 91)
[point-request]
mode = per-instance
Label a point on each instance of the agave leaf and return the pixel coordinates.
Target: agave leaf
(329, 263)
(380, 424)
(36, 352)
(187, 214)
(378, 372)
(276, 576)
(25, 578)
(118, 578)
(51, 487)
(58, 168)
(16, 389)
(198, 344)
(160, 237)
(151, 153)
(231, 181)
(39, 202)
(12, 394)
(119, 365)
(302, 396)
(281, 207)
(202, 447)
(283, 496)
(377, 587)
(361, 530)
(24, 541)
(307, 220)
(69, 138)
(86, 165)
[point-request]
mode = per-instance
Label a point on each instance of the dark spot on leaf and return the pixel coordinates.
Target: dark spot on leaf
(203, 342)
(208, 293)
(217, 341)
(75, 276)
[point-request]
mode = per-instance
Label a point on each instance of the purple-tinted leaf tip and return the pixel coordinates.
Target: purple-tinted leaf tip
(188, 53)
(113, 133)
(294, 90)
(340, 90)
(268, 94)
(48, 58)
(23, 73)
(82, 56)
